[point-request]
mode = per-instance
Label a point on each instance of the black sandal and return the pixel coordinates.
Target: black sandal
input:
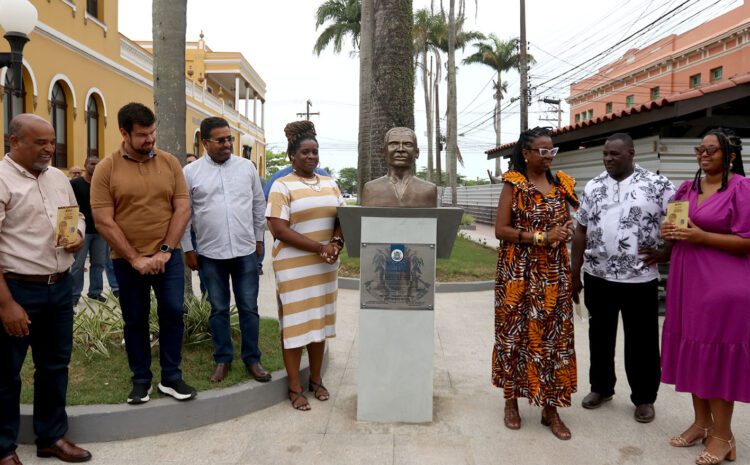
(314, 387)
(294, 396)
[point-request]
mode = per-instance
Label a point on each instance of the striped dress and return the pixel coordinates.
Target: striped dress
(306, 286)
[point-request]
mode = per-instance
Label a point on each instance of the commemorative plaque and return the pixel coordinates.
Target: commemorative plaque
(397, 276)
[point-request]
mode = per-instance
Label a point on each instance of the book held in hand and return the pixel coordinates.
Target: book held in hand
(677, 213)
(67, 226)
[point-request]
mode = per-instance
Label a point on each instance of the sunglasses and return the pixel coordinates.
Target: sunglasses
(709, 150)
(547, 152)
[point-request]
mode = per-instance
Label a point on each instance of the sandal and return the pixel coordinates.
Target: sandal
(707, 458)
(512, 418)
(295, 396)
(556, 425)
(315, 388)
(680, 441)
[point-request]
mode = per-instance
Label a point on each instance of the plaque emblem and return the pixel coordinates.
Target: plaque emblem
(397, 255)
(392, 276)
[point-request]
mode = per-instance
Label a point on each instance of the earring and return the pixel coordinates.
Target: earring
(526, 160)
(731, 165)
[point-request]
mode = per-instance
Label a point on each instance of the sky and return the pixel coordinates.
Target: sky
(277, 38)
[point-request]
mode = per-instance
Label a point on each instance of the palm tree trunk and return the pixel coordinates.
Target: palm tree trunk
(392, 76)
(438, 143)
(365, 94)
(498, 121)
(169, 22)
(452, 105)
(426, 84)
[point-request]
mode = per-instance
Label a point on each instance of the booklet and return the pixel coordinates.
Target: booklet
(677, 213)
(67, 226)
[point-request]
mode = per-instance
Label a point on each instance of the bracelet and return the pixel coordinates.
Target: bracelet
(338, 240)
(538, 238)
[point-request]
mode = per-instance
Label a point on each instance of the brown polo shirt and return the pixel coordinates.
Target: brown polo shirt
(141, 193)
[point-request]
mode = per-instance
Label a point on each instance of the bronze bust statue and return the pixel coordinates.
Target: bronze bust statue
(400, 188)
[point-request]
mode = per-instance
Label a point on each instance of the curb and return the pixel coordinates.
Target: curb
(116, 422)
(470, 286)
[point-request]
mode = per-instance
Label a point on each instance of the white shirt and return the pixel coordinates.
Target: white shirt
(621, 217)
(228, 207)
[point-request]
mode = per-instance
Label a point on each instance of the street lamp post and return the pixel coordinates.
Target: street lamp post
(17, 18)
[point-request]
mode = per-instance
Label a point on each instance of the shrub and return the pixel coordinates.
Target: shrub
(467, 220)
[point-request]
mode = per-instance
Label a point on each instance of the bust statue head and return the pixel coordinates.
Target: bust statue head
(400, 151)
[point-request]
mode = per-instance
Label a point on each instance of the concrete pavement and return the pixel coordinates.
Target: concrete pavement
(468, 426)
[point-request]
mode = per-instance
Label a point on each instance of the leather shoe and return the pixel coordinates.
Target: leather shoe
(644, 413)
(594, 400)
(11, 459)
(220, 372)
(65, 451)
(258, 373)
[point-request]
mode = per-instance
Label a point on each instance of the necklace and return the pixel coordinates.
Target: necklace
(314, 186)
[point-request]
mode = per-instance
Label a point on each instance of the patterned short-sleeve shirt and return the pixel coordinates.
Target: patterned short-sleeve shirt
(621, 217)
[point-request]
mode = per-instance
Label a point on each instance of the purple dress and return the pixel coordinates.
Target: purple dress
(706, 336)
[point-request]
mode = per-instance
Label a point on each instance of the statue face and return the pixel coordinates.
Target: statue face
(401, 149)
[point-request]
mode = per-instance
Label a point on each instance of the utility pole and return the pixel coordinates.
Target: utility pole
(524, 72)
(307, 113)
(438, 138)
(558, 110)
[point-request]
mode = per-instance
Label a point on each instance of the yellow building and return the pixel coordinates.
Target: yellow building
(79, 70)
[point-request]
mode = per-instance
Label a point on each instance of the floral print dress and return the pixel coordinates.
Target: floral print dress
(534, 354)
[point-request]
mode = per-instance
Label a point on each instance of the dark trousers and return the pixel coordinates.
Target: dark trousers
(50, 309)
(640, 318)
(243, 272)
(135, 301)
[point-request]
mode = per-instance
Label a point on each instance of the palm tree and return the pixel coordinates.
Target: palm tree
(501, 56)
(367, 27)
(344, 17)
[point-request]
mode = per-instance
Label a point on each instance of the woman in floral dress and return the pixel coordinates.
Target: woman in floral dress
(534, 355)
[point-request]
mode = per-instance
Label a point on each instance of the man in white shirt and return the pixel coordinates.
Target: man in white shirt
(229, 221)
(615, 242)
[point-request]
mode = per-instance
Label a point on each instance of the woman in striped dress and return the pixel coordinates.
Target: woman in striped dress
(301, 212)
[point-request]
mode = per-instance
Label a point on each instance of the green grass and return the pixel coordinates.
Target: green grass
(101, 380)
(469, 262)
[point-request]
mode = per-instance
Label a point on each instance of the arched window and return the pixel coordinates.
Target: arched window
(197, 144)
(11, 105)
(59, 112)
(92, 122)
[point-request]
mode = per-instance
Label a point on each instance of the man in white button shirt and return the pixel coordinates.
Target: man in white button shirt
(229, 221)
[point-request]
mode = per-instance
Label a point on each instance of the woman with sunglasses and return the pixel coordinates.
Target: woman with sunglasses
(534, 355)
(706, 335)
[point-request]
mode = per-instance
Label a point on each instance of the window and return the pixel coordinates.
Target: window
(92, 8)
(12, 105)
(578, 117)
(197, 144)
(654, 93)
(92, 121)
(630, 101)
(59, 114)
(609, 107)
(590, 115)
(695, 80)
(717, 74)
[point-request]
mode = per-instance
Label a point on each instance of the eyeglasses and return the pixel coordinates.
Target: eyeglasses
(223, 140)
(547, 152)
(709, 150)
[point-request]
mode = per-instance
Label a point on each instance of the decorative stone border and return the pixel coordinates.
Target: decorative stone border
(102, 423)
(471, 286)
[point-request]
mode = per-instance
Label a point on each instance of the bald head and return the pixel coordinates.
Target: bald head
(18, 124)
(32, 142)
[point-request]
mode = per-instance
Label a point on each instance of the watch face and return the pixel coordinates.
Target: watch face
(165, 248)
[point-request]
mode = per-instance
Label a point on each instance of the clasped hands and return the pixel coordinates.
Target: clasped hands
(154, 264)
(692, 234)
(330, 252)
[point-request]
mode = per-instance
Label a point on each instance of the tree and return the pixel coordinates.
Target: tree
(348, 179)
(275, 161)
(344, 17)
(168, 28)
(367, 28)
(501, 56)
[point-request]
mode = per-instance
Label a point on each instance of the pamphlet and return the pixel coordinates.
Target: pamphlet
(677, 213)
(67, 226)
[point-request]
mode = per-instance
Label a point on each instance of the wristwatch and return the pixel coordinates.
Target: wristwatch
(165, 248)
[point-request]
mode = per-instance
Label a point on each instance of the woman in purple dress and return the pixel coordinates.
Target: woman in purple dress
(706, 336)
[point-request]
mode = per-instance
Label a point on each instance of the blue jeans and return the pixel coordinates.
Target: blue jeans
(243, 271)
(135, 301)
(95, 246)
(50, 307)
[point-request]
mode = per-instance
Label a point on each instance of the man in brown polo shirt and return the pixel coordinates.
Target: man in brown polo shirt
(36, 303)
(141, 206)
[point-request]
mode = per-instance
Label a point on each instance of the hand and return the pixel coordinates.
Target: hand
(191, 260)
(258, 249)
(160, 260)
(329, 253)
(143, 265)
(653, 256)
(15, 319)
(692, 233)
(75, 246)
(667, 231)
(577, 286)
(560, 233)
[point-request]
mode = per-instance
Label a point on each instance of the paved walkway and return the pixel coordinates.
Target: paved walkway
(467, 428)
